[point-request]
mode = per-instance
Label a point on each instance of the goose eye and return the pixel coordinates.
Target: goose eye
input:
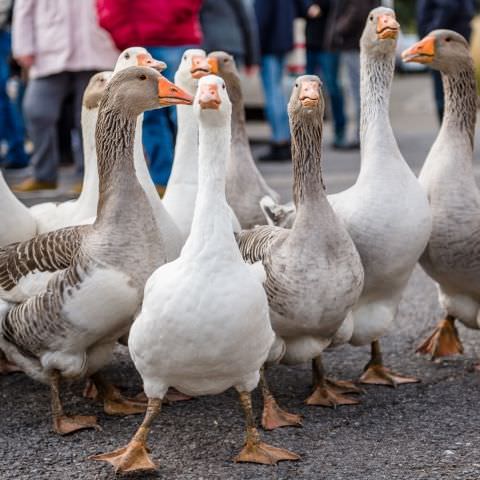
(448, 39)
(184, 57)
(296, 85)
(127, 56)
(225, 60)
(142, 77)
(371, 18)
(223, 86)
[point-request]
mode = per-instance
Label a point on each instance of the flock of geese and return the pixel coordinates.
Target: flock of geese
(218, 280)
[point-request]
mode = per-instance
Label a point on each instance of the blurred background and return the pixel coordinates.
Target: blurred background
(50, 48)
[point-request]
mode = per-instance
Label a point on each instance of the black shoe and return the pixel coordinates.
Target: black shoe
(277, 153)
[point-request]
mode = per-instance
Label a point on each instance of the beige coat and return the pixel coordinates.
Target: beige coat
(63, 35)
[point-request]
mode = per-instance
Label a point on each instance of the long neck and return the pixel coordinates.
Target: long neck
(185, 163)
(460, 102)
(88, 198)
(114, 134)
(376, 133)
(212, 223)
(308, 187)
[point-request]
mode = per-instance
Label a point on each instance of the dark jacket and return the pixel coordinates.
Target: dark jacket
(346, 23)
(230, 25)
(275, 23)
(316, 28)
(452, 14)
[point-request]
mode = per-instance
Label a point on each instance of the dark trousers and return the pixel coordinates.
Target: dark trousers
(42, 107)
(326, 65)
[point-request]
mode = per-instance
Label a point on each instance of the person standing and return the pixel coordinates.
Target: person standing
(325, 63)
(275, 26)
(345, 27)
(12, 130)
(166, 28)
(62, 46)
(450, 14)
(229, 25)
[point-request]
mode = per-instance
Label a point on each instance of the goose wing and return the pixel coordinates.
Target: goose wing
(26, 267)
(255, 244)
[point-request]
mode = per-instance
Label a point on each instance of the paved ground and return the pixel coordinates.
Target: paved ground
(430, 430)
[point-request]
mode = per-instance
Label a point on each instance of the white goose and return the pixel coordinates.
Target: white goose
(452, 256)
(204, 324)
(314, 272)
(386, 211)
(181, 192)
(98, 271)
(16, 221)
(245, 184)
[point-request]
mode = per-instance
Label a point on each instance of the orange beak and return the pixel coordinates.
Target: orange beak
(209, 98)
(200, 67)
(213, 64)
(309, 93)
(146, 60)
(421, 52)
(387, 27)
(170, 94)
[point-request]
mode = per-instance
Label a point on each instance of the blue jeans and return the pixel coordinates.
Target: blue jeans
(160, 126)
(326, 64)
(12, 129)
(272, 67)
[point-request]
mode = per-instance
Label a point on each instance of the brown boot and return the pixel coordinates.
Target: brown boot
(32, 184)
(161, 190)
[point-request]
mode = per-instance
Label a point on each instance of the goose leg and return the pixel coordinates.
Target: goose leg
(273, 416)
(6, 366)
(65, 424)
(376, 373)
(114, 403)
(134, 457)
(325, 392)
(444, 341)
(339, 386)
(254, 450)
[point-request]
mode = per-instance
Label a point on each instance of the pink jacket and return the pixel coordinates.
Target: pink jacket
(153, 23)
(63, 35)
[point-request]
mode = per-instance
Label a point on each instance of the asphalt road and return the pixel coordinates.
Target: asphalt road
(429, 430)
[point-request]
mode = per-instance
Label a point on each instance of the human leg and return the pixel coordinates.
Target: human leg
(329, 64)
(42, 103)
(272, 67)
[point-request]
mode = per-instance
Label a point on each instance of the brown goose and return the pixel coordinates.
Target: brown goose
(98, 271)
(245, 184)
(452, 256)
(314, 273)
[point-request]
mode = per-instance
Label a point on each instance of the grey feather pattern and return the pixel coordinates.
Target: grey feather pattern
(49, 252)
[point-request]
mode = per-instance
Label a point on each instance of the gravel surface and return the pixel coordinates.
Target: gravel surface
(424, 431)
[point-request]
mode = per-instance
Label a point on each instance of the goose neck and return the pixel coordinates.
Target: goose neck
(89, 193)
(185, 164)
(308, 186)
(376, 75)
(115, 133)
(211, 220)
(460, 96)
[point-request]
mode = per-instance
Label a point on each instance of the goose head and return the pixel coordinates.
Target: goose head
(307, 101)
(223, 65)
(138, 57)
(95, 89)
(193, 66)
(441, 49)
(380, 32)
(137, 89)
(211, 103)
